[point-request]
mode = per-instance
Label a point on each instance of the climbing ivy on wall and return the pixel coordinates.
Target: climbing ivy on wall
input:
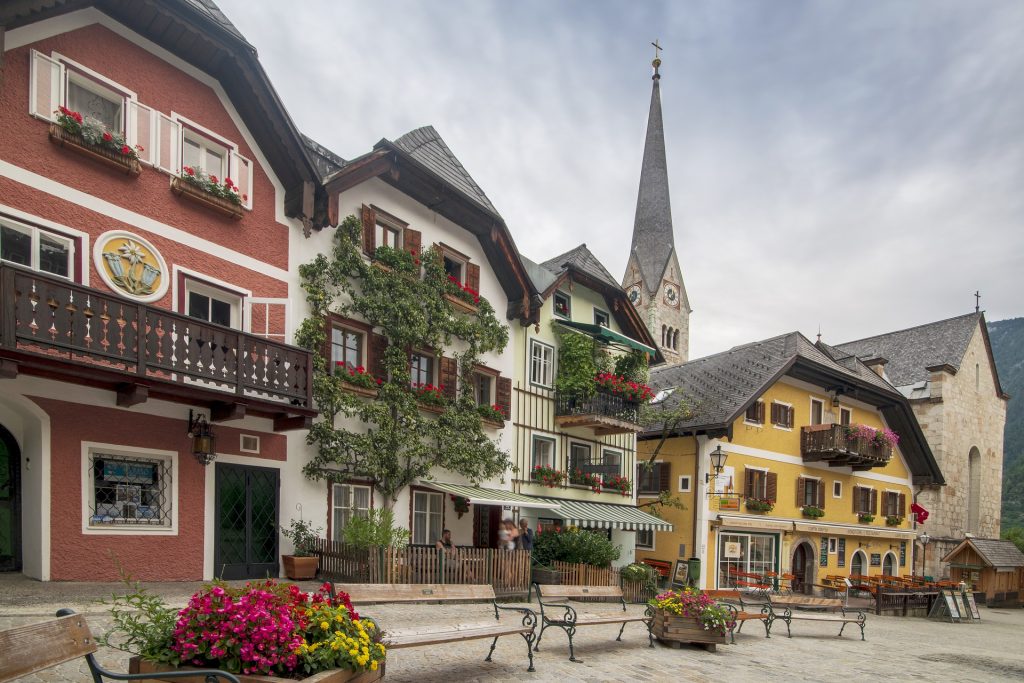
(389, 439)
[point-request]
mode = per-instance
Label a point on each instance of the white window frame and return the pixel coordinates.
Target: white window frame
(554, 307)
(881, 503)
(232, 297)
(837, 485)
(654, 537)
(447, 254)
(36, 236)
(426, 495)
(492, 388)
(339, 325)
(848, 411)
(547, 361)
(833, 545)
(763, 494)
(335, 507)
(862, 487)
(788, 405)
(810, 414)
(817, 482)
(207, 143)
(689, 483)
(241, 443)
(97, 83)
(434, 369)
(748, 421)
(91, 448)
(533, 451)
(382, 228)
(75, 77)
(602, 312)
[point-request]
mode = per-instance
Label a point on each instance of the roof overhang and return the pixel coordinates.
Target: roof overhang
(606, 516)
(481, 496)
(608, 336)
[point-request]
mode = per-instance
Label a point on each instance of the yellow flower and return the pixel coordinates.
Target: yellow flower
(324, 625)
(353, 652)
(373, 666)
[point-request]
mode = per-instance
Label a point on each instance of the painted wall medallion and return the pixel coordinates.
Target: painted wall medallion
(130, 265)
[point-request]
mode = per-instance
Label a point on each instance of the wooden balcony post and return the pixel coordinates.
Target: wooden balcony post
(239, 365)
(8, 308)
(141, 339)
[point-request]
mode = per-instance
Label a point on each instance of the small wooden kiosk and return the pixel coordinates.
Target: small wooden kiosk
(992, 566)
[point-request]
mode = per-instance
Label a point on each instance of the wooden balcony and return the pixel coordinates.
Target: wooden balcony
(603, 413)
(54, 328)
(829, 443)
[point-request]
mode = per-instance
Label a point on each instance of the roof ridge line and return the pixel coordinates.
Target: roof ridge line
(908, 329)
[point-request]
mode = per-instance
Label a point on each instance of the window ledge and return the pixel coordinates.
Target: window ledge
(129, 530)
(110, 159)
(359, 391)
(190, 192)
(493, 423)
(458, 303)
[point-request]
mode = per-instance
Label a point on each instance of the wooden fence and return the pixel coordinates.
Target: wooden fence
(588, 575)
(508, 571)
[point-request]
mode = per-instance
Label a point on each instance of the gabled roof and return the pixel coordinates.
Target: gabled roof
(722, 386)
(583, 260)
(210, 10)
(911, 351)
(427, 147)
(995, 552)
(326, 161)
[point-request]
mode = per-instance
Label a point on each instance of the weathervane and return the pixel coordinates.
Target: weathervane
(657, 57)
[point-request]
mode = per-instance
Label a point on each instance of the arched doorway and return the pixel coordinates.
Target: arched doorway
(858, 564)
(973, 489)
(10, 502)
(803, 567)
(889, 565)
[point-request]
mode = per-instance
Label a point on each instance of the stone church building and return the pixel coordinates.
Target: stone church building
(947, 371)
(653, 278)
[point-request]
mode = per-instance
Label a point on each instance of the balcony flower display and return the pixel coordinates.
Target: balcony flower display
(760, 505)
(95, 133)
(357, 376)
(212, 185)
(690, 602)
(430, 394)
(618, 483)
(462, 291)
(881, 438)
(590, 479)
(812, 511)
(548, 476)
(491, 413)
(618, 385)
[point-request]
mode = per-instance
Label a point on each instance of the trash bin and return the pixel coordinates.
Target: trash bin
(693, 571)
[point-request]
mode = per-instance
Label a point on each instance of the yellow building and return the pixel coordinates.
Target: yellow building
(811, 483)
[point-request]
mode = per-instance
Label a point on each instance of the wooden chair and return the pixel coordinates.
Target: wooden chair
(27, 649)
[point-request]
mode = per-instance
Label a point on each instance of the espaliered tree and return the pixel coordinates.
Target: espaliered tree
(406, 298)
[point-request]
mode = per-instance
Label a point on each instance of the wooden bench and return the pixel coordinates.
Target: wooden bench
(570, 619)
(434, 634)
(27, 649)
(741, 610)
(843, 617)
(806, 602)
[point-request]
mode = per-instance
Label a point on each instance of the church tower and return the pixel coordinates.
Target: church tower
(653, 279)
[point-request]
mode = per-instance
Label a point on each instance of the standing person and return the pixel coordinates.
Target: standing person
(525, 535)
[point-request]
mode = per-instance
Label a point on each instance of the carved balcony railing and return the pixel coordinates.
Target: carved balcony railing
(53, 327)
(831, 444)
(604, 413)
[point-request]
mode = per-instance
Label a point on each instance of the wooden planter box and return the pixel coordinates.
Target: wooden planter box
(461, 305)
(300, 568)
(187, 190)
(139, 666)
(493, 423)
(675, 630)
(108, 158)
(359, 391)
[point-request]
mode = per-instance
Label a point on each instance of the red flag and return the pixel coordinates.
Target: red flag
(920, 514)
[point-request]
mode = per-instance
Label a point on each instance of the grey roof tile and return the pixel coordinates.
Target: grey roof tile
(541, 277)
(582, 259)
(210, 9)
(997, 552)
(909, 352)
(326, 161)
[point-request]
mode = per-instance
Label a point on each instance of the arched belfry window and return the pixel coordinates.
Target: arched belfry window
(663, 331)
(973, 490)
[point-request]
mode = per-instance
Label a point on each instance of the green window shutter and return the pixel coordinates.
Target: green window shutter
(823, 555)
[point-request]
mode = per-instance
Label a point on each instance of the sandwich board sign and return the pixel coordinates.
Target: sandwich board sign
(945, 607)
(971, 607)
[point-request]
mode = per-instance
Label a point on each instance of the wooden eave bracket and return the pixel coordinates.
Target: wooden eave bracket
(225, 412)
(287, 423)
(132, 394)
(8, 368)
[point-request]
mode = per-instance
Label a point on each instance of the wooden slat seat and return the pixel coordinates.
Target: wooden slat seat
(438, 634)
(29, 649)
(569, 619)
(806, 602)
(843, 617)
(743, 610)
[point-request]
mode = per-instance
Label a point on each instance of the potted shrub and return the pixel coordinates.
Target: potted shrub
(689, 616)
(301, 564)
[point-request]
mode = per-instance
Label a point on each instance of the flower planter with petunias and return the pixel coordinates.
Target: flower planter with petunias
(197, 186)
(264, 632)
(431, 396)
(588, 479)
(547, 476)
(90, 138)
(491, 415)
(689, 616)
(618, 483)
(357, 380)
(617, 385)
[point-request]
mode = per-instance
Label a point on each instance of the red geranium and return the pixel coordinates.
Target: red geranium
(107, 136)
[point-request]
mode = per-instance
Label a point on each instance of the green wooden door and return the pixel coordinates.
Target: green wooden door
(245, 538)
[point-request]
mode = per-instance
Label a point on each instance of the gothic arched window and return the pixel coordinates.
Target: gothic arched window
(663, 330)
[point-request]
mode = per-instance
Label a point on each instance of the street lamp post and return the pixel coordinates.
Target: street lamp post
(925, 539)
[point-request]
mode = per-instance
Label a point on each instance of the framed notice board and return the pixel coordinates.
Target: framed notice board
(972, 605)
(950, 601)
(961, 604)
(680, 574)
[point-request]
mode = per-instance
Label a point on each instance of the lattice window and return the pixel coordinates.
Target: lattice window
(129, 491)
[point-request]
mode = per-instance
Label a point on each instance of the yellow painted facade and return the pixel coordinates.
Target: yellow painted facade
(795, 540)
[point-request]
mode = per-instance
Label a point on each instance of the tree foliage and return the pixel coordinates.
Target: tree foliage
(389, 440)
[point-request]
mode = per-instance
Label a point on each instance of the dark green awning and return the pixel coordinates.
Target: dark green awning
(607, 336)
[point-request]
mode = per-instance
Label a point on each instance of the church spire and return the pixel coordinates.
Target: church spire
(652, 226)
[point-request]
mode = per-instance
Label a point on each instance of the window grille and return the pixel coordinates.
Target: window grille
(130, 491)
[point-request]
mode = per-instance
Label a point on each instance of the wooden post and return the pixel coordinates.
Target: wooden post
(141, 339)
(239, 372)
(8, 308)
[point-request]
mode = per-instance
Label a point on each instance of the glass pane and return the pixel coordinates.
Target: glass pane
(198, 306)
(15, 246)
(341, 496)
(419, 530)
(215, 164)
(263, 517)
(54, 255)
(220, 312)
(339, 524)
(193, 154)
(95, 106)
(435, 503)
(361, 497)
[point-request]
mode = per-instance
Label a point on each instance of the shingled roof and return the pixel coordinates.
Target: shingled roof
(722, 386)
(910, 352)
(214, 13)
(996, 552)
(582, 259)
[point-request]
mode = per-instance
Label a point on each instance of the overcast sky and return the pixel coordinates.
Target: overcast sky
(849, 164)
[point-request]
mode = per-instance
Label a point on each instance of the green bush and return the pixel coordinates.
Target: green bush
(632, 366)
(576, 546)
(576, 364)
(376, 530)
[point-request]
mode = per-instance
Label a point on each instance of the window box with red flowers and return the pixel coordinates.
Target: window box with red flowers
(431, 397)
(492, 415)
(760, 505)
(357, 380)
(547, 476)
(462, 296)
(618, 483)
(89, 138)
(209, 191)
(588, 479)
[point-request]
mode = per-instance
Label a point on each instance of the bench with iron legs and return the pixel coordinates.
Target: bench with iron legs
(843, 617)
(27, 649)
(434, 634)
(567, 618)
(743, 607)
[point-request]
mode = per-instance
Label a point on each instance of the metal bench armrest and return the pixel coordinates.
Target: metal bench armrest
(529, 616)
(568, 617)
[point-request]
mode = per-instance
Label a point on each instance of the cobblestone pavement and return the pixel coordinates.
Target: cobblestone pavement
(896, 649)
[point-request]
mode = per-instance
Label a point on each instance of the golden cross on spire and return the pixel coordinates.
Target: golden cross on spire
(657, 58)
(657, 49)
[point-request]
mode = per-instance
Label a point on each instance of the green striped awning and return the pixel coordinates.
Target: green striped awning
(481, 496)
(607, 516)
(606, 335)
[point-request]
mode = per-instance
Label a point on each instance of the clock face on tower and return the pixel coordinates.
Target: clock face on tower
(634, 295)
(671, 295)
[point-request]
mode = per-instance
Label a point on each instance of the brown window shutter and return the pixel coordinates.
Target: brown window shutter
(665, 476)
(789, 417)
(503, 396)
(874, 502)
(412, 241)
(376, 344)
(856, 499)
(801, 486)
(449, 377)
(771, 489)
(332, 208)
(369, 230)
(760, 412)
(473, 277)
(748, 483)
(775, 413)
(903, 505)
(821, 494)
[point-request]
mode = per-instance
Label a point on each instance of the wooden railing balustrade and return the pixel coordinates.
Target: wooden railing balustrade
(830, 443)
(604, 412)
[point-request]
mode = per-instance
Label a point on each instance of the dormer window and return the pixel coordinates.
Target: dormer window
(601, 318)
(562, 304)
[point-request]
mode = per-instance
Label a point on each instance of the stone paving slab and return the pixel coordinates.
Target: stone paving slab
(910, 649)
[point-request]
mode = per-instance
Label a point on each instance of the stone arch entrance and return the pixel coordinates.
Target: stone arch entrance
(10, 502)
(858, 563)
(889, 565)
(804, 567)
